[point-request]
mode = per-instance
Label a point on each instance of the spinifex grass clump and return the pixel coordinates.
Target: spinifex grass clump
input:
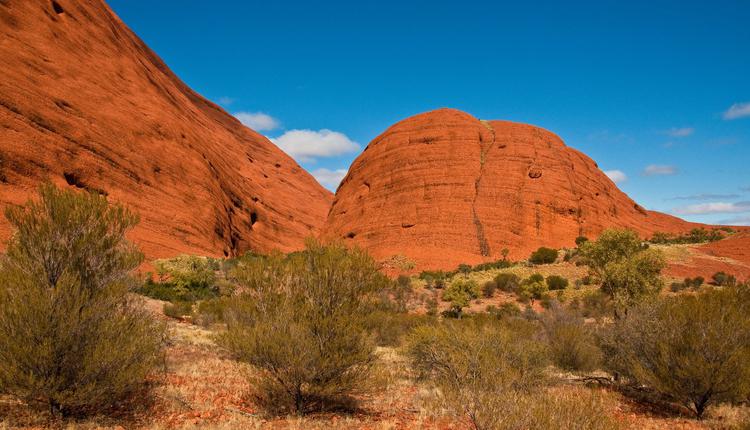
(301, 325)
(70, 337)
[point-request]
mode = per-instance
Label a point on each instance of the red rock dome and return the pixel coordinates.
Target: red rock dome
(444, 188)
(87, 104)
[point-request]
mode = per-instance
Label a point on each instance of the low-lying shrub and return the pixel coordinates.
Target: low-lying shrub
(178, 310)
(507, 282)
(555, 282)
(543, 255)
(722, 279)
(488, 289)
(572, 344)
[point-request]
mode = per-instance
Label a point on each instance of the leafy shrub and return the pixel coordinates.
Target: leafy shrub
(464, 269)
(696, 235)
(71, 338)
(580, 240)
(532, 288)
(629, 273)
(555, 282)
(499, 264)
(722, 279)
(477, 365)
(572, 344)
(315, 303)
(183, 279)
(692, 348)
(460, 294)
(507, 282)
(488, 289)
(693, 283)
(543, 255)
(505, 310)
(178, 310)
(389, 327)
(211, 311)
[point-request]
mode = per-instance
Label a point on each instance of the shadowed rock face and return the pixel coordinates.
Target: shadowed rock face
(444, 188)
(87, 104)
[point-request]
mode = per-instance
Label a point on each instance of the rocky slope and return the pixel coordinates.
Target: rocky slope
(444, 188)
(87, 104)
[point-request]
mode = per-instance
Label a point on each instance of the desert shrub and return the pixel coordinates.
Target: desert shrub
(211, 311)
(314, 304)
(580, 240)
(477, 365)
(505, 310)
(722, 279)
(693, 283)
(460, 294)
(555, 282)
(184, 278)
(435, 279)
(628, 272)
(543, 255)
(178, 310)
(488, 289)
(389, 327)
(692, 348)
(464, 269)
(71, 338)
(696, 235)
(532, 288)
(507, 282)
(572, 344)
(499, 264)
(594, 304)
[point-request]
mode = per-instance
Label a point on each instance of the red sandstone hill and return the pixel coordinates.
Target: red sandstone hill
(444, 188)
(83, 101)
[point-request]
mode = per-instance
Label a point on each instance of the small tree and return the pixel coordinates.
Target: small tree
(629, 273)
(543, 255)
(507, 282)
(464, 269)
(691, 348)
(301, 324)
(70, 335)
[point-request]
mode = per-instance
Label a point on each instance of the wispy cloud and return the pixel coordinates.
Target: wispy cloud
(258, 121)
(737, 110)
(680, 132)
(225, 101)
(329, 178)
(746, 189)
(739, 220)
(307, 145)
(659, 170)
(713, 208)
(617, 176)
(705, 196)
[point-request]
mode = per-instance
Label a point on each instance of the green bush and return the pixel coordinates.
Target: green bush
(71, 338)
(499, 264)
(460, 294)
(692, 348)
(543, 255)
(507, 282)
(505, 310)
(696, 235)
(488, 289)
(722, 279)
(186, 278)
(478, 366)
(314, 303)
(178, 310)
(629, 272)
(211, 311)
(580, 240)
(555, 282)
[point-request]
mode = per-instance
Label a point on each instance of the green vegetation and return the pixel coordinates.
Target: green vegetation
(572, 344)
(543, 255)
(696, 235)
(507, 282)
(629, 272)
(460, 294)
(555, 282)
(314, 303)
(186, 278)
(532, 288)
(71, 338)
(580, 240)
(722, 279)
(694, 349)
(687, 283)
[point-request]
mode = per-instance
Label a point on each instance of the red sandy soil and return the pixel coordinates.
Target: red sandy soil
(84, 102)
(730, 255)
(444, 188)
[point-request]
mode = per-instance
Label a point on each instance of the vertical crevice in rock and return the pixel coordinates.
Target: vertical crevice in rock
(484, 246)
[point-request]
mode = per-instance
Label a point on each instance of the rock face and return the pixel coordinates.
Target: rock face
(87, 104)
(444, 188)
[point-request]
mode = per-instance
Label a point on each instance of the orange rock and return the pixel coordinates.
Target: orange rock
(445, 188)
(85, 102)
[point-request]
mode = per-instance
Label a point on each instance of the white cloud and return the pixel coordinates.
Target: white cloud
(713, 208)
(680, 132)
(705, 196)
(738, 110)
(616, 176)
(329, 178)
(226, 101)
(659, 169)
(307, 145)
(740, 220)
(258, 121)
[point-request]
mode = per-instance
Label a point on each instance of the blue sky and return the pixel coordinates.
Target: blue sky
(658, 91)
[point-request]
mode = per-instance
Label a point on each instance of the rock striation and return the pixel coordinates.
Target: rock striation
(85, 103)
(444, 188)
